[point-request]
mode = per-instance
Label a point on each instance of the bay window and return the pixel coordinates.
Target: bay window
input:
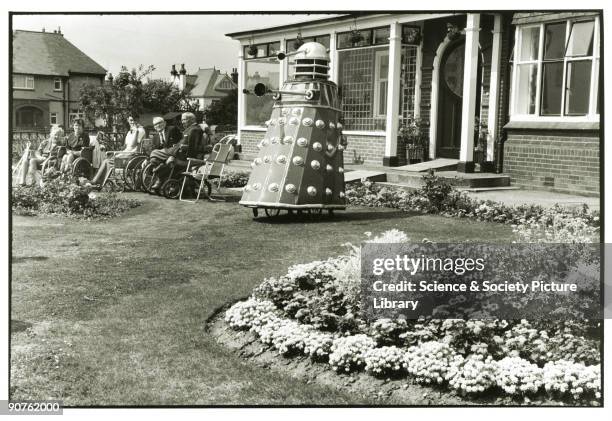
(554, 69)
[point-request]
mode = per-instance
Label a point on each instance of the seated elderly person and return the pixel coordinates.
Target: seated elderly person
(178, 153)
(47, 149)
(164, 136)
(75, 142)
(132, 139)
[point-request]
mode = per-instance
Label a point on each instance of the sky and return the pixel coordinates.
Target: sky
(199, 41)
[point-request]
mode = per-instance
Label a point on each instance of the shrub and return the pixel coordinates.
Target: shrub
(60, 196)
(565, 378)
(243, 314)
(385, 361)
(235, 179)
(517, 376)
(348, 353)
(472, 375)
(429, 362)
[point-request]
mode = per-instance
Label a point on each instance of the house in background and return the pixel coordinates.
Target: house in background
(527, 84)
(48, 72)
(206, 85)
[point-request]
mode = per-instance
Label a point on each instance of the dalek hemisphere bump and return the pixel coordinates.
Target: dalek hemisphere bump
(300, 163)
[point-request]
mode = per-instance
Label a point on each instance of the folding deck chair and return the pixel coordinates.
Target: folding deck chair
(210, 169)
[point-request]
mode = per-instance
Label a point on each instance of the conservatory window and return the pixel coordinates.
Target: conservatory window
(258, 109)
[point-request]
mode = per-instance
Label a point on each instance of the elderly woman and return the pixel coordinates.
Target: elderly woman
(76, 141)
(47, 149)
(132, 139)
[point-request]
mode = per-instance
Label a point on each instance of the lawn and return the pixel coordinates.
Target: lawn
(112, 312)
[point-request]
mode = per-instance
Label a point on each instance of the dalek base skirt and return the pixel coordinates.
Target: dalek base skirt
(300, 164)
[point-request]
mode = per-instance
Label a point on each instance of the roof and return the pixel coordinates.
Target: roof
(295, 25)
(49, 53)
(206, 82)
(532, 17)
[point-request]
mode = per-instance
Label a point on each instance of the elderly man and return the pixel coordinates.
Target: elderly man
(165, 136)
(189, 147)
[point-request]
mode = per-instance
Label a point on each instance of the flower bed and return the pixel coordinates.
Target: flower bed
(314, 310)
(61, 196)
(437, 196)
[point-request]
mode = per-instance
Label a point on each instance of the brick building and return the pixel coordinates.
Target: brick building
(48, 72)
(511, 92)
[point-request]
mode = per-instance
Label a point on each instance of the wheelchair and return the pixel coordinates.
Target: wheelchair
(171, 186)
(121, 175)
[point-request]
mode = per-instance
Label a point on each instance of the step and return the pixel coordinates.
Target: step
(485, 189)
(474, 180)
(439, 164)
(358, 175)
(396, 186)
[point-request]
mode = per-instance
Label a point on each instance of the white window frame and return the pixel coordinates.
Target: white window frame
(378, 79)
(26, 79)
(74, 115)
(53, 116)
(592, 115)
(55, 82)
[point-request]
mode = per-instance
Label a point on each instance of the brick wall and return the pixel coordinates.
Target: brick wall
(370, 149)
(556, 161)
(249, 141)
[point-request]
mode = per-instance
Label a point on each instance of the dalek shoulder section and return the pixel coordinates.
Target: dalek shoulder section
(318, 93)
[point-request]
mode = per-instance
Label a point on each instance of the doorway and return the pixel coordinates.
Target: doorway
(450, 99)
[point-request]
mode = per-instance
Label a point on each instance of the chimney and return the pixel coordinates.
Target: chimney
(235, 75)
(182, 77)
(43, 30)
(173, 72)
(59, 30)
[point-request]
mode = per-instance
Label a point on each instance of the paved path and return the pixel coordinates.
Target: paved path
(544, 198)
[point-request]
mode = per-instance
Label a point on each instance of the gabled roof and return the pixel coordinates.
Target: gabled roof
(207, 80)
(49, 53)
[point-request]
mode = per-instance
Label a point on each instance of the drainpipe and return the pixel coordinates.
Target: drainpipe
(503, 111)
(66, 115)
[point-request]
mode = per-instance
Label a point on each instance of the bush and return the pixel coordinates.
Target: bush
(348, 353)
(234, 179)
(61, 196)
(533, 223)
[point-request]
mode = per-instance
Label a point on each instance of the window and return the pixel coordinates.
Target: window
(73, 115)
(368, 37)
(361, 72)
(258, 109)
(23, 82)
(53, 118)
(381, 79)
(363, 78)
(57, 84)
(321, 39)
(554, 69)
(269, 49)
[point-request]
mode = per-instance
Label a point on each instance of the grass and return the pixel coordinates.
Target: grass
(112, 312)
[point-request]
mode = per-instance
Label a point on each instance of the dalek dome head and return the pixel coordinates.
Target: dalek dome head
(312, 51)
(311, 61)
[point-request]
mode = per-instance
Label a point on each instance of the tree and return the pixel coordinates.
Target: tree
(162, 96)
(224, 111)
(128, 94)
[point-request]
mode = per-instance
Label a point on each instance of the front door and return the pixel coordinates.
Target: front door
(448, 142)
(450, 102)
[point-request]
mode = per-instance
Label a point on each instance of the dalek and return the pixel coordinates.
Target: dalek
(299, 166)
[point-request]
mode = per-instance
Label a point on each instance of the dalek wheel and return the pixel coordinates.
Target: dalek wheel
(315, 213)
(272, 213)
(255, 212)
